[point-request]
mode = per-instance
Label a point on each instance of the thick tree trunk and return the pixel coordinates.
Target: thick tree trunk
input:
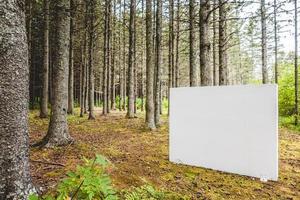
(205, 66)
(91, 65)
(158, 61)
(130, 109)
(223, 71)
(44, 97)
(71, 63)
(264, 42)
(193, 68)
(150, 68)
(15, 180)
(58, 133)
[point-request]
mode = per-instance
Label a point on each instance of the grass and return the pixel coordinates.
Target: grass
(141, 157)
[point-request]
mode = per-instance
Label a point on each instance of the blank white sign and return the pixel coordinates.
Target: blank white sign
(227, 128)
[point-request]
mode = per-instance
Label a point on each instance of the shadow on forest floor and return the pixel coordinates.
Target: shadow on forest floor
(140, 156)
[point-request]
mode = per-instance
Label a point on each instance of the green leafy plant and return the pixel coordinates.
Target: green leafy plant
(286, 90)
(89, 181)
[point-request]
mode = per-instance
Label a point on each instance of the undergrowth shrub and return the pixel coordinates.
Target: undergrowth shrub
(286, 90)
(89, 181)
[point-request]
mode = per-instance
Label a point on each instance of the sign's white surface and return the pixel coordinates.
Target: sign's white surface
(227, 128)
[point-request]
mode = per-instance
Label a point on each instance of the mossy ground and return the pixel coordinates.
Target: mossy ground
(141, 157)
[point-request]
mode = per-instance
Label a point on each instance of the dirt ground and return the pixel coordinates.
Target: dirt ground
(141, 157)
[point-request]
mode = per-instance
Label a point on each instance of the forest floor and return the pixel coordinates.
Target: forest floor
(141, 157)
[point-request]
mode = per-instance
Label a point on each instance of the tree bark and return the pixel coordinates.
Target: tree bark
(58, 133)
(150, 68)
(192, 57)
(124, 57)
(143, 60)
(71, 62)
(296, 63)
(275, 41)
(113, 64)
(223, 71)
(171, 43)
(135, 68)
(158, 61)
(215, 80)
(176, 66)
(205, 66)
(44, 97)
(82, 80)
(29, 40)
(91, 64)
(130, 109)
(15, 179)
(106, 57)
(121, 89)
(264, 42)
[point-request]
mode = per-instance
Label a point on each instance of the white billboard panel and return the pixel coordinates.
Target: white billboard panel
(227, 128)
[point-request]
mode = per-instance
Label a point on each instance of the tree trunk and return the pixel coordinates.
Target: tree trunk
(130, 109)
(296, 63)
(176, 66)
(171, 43)
(91, 65)
(58, 133)
(113, 64)
(158, 61)
(150, 68)
(193, 69)
(124, 57)
(215, 80)
(143, 60)
(121, 89)
(275, 42)
(29, 40)
(85, 66)
(106, 57)
(82, 80)
(264, 42)
(223, 71)
(134, 68)
(86, 95)
(15, 180)
(205, 66)
(71, 62)
(44, 97)
(109, 59)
